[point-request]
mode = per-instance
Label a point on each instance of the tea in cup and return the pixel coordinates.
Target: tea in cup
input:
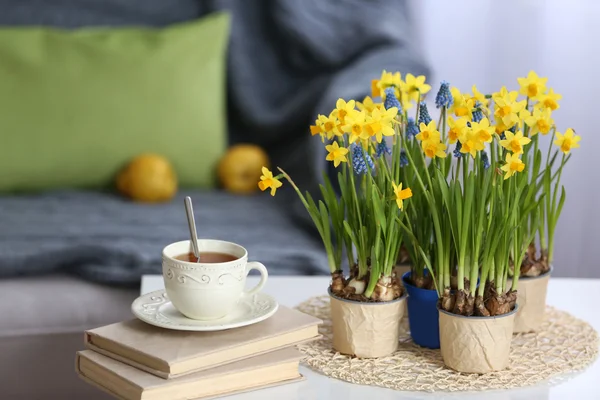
(211, 288)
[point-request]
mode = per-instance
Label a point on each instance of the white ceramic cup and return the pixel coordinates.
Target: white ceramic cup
(208, 291)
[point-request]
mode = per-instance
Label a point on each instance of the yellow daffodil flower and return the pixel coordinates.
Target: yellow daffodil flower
(336, 154)
(482, 130)
(507, 110)
(500, 127)
(268, 181)
(480, 97)
(457, 128)
(549, 100)
(387, 80)
(317, 128)
(532, 86)
(514, 142)
(470, 143)
(513, 165)
(355, 126)
(434, 149)
(401, 194)
(540, 121)
(327, 125)
(342, 109)
(405, 101)
(503, 92)
(567, 141)
(414, 86)
(462, 106)
(380, 123)
(368, 105)
(428, 132)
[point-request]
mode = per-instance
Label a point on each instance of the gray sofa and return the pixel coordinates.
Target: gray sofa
(47, 294)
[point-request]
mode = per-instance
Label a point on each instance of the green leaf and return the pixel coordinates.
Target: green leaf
(314, 212)
(561, 203)
(351, 234)
(325, 219)
(378, 208)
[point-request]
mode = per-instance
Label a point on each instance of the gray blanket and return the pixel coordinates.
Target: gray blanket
(288, 60)
(108, 239)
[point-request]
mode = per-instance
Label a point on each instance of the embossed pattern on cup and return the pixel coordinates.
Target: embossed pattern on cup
(208, 291)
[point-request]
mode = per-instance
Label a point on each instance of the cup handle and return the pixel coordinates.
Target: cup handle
(263, 279)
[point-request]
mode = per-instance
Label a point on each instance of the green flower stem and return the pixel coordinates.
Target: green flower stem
(487, 269)
(442, 122)
(553, 213)
(502, 255)
(436, 221)
(550, 146)
(360, 239)
(457, 175)
(435, 217)
(536, 144)
(317, 218)
(492, 271)
(465, 230)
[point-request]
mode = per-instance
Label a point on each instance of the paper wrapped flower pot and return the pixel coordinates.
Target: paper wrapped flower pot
(366, 330)
(531, 298)
(476, 344)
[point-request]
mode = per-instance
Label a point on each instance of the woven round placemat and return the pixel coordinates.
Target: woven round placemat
(564, 344)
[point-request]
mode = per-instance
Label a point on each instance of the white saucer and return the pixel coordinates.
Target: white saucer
(156, 309)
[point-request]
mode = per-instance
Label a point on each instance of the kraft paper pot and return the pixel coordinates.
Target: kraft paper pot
(531, 298)
(366, 330)
(476, 344)
(423, 317)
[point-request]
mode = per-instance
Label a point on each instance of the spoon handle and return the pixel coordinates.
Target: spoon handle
(189, 210)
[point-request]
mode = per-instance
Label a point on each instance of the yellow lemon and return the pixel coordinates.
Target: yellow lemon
(148, 178)
(240, 168)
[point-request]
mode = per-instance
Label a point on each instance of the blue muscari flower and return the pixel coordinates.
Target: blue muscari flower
(358, 160)
(382, 148)
(391, 100)
(403, 158)
(477, 114)
(444, 97)
(457, 152)
(424, 114)
(485, 160)
(411, 129)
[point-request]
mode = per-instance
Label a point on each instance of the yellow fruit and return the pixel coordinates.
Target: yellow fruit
(240, 168)
(148, 178)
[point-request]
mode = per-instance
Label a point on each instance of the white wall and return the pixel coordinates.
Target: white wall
(491, 43)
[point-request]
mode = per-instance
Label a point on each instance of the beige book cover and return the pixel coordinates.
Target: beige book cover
(170, 353)
(129, 383)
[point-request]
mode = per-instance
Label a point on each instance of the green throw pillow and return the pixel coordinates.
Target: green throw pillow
(76, 106)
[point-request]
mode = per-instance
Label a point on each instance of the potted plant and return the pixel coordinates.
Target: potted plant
(477, 218)
(486, 211)
(536, 120)
(421, 229)
(363, 225)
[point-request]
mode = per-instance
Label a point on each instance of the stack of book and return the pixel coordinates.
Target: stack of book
(133, 360)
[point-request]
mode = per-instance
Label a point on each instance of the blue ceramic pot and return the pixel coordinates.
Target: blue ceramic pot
(423, 317)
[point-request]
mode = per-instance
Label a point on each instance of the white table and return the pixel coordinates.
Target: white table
(572, 295)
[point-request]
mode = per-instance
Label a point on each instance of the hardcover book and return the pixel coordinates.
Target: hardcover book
(171, 353)
(128, 383)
